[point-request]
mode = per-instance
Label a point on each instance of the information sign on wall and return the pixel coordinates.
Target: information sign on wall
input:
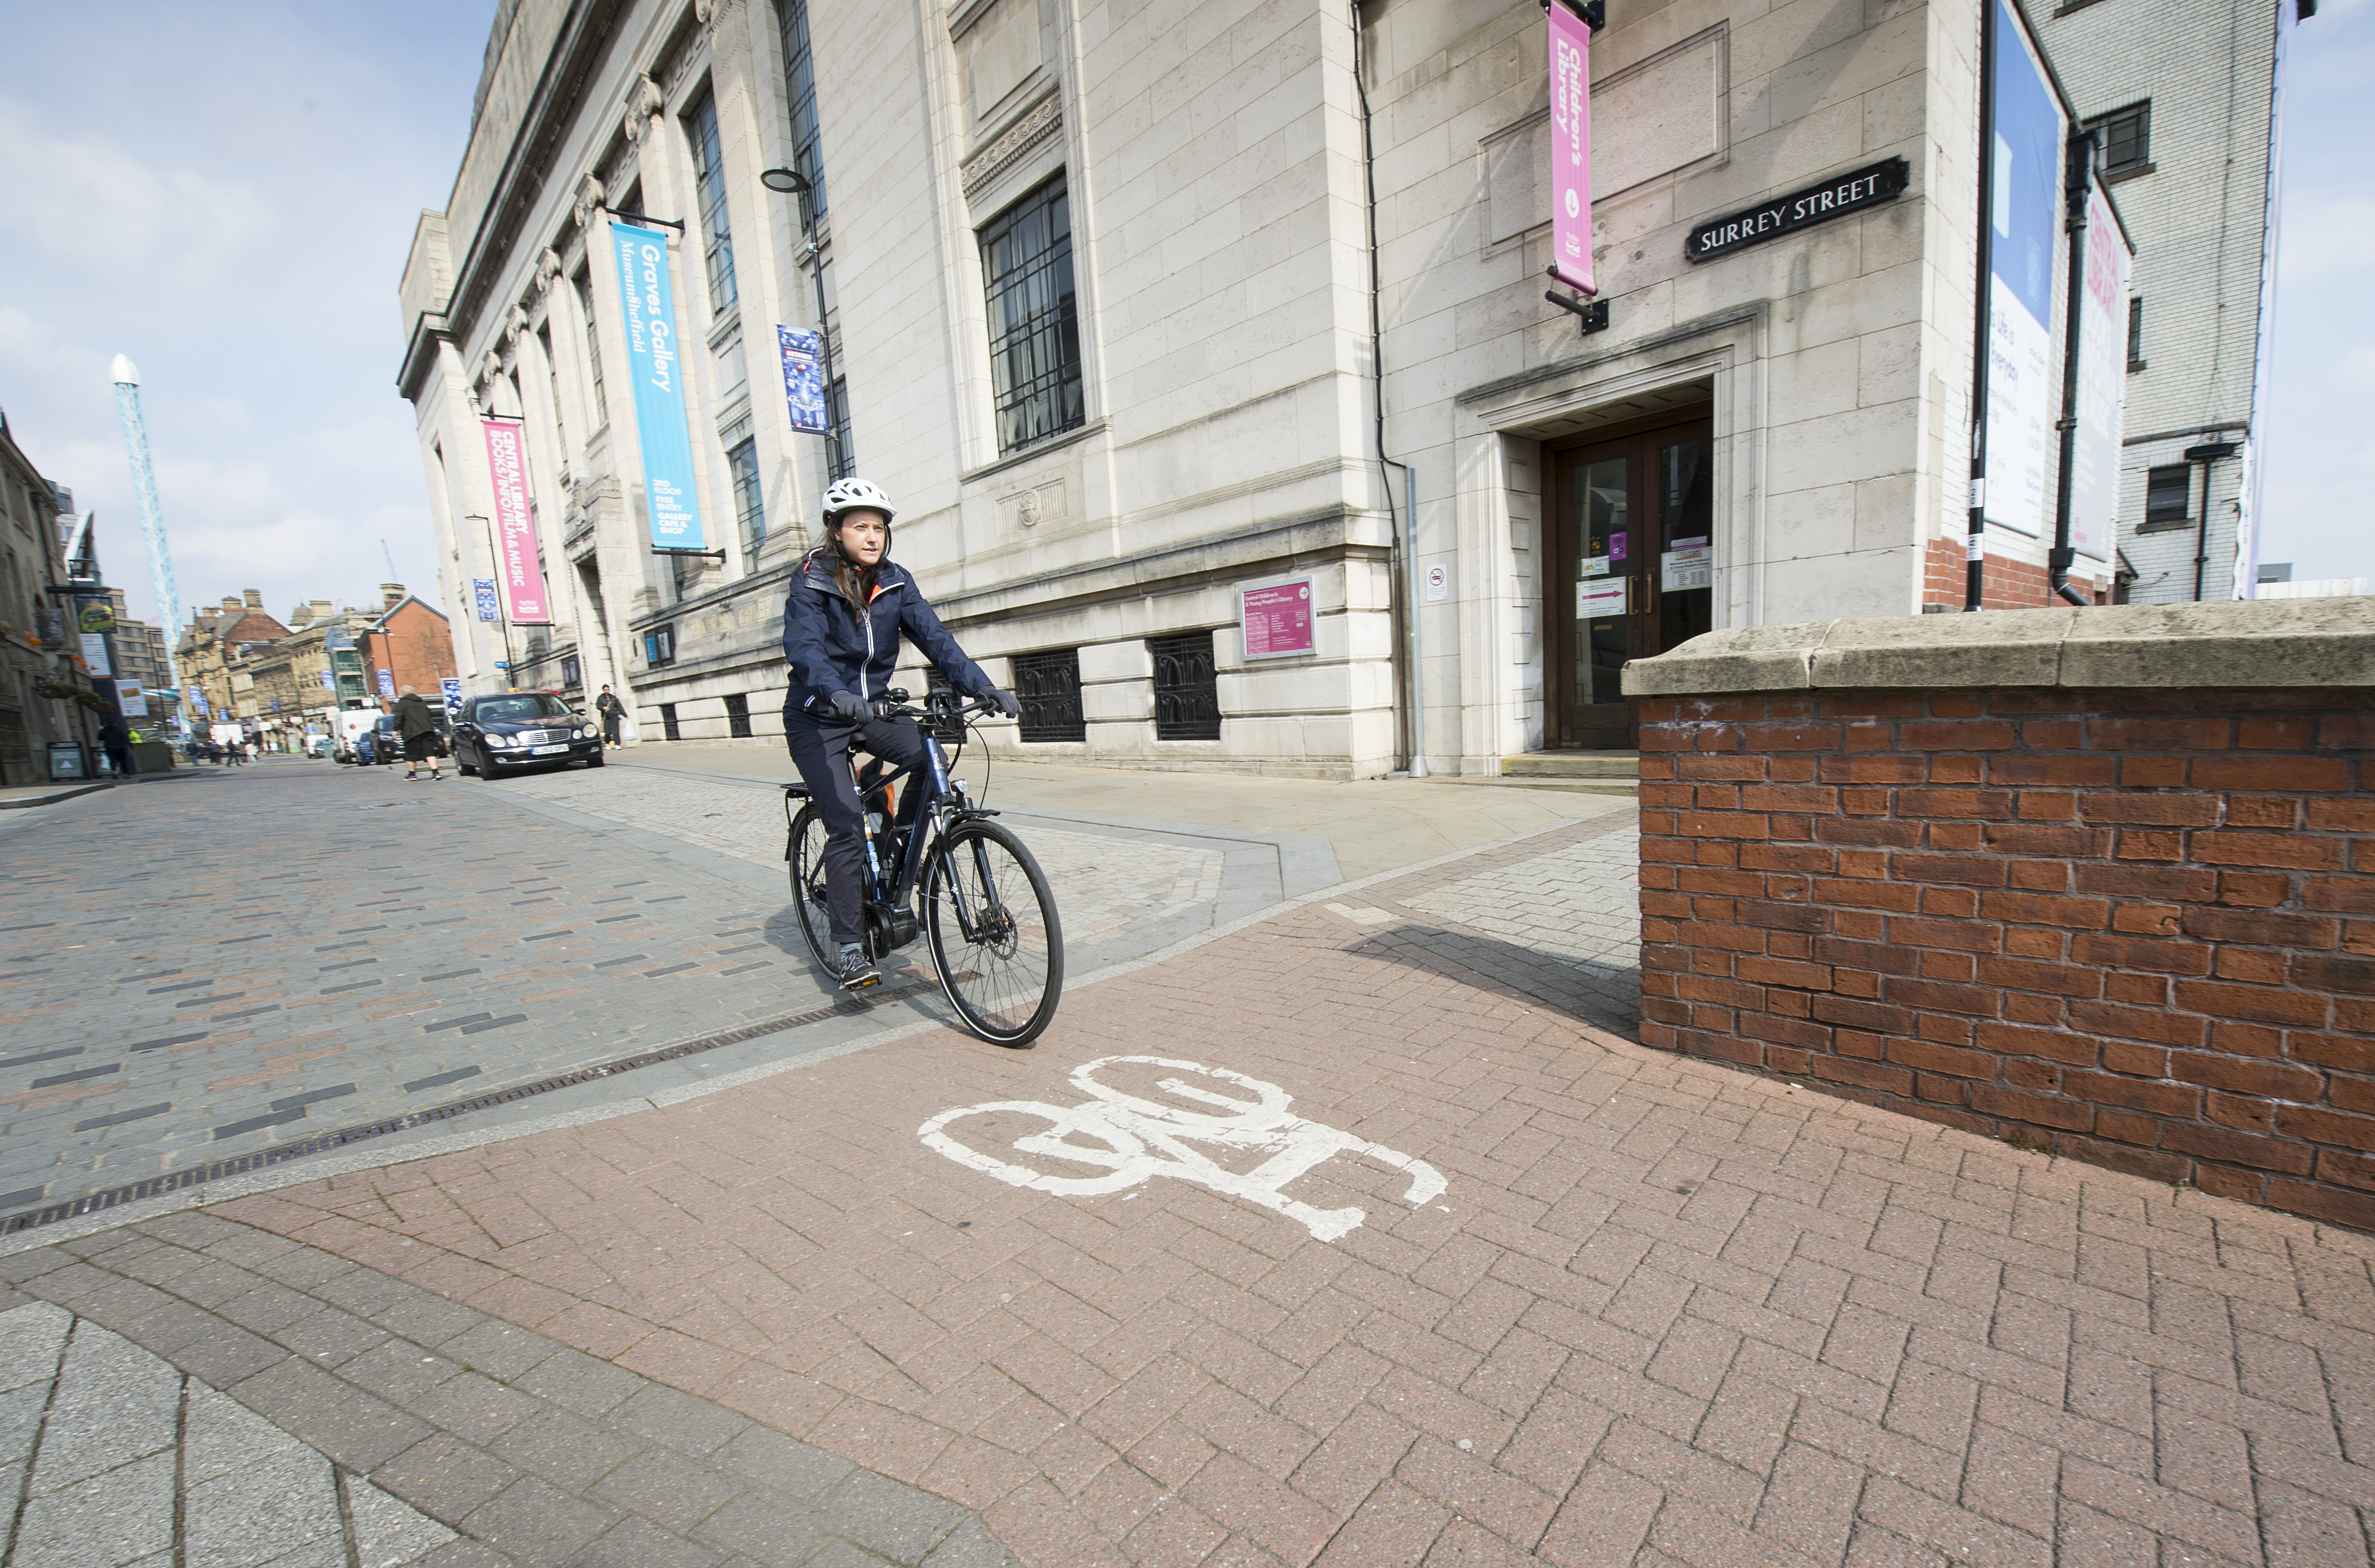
(1683, 569)
(1277, 620)
(647, 301)
(130, 701)
(94, 653)
(482, 590)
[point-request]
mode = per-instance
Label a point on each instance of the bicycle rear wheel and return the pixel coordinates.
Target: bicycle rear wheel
(995, 942)
(807, 884)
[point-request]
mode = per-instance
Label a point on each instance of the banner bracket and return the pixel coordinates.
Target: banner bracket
(646, 218)
(1593, 316)
(1592, 14)
(717, 556)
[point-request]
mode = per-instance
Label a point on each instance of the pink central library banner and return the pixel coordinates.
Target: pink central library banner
(1570, 58)
(517, 564)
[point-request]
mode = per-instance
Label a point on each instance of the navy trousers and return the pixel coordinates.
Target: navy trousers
(820, 750)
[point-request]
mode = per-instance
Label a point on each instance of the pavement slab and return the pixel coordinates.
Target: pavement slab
(1656, 1311)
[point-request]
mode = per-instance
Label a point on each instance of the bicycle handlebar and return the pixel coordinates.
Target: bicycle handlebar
(894, 704)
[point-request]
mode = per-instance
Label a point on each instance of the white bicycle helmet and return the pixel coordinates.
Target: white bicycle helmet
(853, 495)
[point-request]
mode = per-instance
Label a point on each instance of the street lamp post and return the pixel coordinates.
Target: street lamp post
(792, 182)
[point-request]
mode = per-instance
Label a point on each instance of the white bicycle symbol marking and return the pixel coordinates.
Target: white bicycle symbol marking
(1133, 1139)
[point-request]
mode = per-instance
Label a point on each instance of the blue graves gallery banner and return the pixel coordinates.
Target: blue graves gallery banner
(649, 306)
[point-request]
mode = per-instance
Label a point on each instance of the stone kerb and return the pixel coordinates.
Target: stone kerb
(2089, 881)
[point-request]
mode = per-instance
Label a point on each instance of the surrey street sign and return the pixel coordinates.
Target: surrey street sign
(1835, 197)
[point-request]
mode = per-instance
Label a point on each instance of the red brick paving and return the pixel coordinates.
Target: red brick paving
(1664, 1313)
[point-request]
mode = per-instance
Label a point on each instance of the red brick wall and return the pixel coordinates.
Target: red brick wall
(416, 648)
(2004, 584)
(2134, 929)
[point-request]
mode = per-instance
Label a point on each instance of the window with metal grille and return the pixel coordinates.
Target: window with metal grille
(1035, 330)
(738, 715)
(593, 348)
(2168, 498)
(2123, 140)
(571, 671)
(800, 92)
(709, 192)
(748, 505)
(668, 720)
(1186, 688)
(1049, 685)
(2135, 335)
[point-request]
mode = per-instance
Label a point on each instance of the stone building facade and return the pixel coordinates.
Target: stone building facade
(1097, 286)
(29, 507)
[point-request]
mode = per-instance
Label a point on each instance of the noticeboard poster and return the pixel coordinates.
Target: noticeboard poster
(1277, 620)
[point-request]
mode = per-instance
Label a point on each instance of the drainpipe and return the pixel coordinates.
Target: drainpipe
(2078, 180)
(1402, 597)
(2208, 453)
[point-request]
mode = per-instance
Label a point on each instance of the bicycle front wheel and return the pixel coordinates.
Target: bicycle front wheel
(995, 938)
(807, 884)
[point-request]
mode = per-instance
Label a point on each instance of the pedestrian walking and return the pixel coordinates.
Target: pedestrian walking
(418, 726)
(116, 742)
(612, 712)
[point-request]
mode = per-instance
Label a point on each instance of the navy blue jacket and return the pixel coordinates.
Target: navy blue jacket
(831, 650)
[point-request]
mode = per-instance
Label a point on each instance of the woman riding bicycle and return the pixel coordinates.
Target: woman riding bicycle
(842, 623)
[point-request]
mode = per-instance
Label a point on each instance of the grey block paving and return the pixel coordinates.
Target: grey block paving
(125, 1460)
(174, 1014)
(370, 1423)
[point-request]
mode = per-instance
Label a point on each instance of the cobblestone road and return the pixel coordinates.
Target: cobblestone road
(1105, 887)
(193, 975)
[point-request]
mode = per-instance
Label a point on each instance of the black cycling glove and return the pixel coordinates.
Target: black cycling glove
(1008, 703)
(845, 706)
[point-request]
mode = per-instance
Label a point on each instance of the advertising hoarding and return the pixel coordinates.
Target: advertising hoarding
(647, 302)
(482, 594)
(94, 653)
(2102, 305)
(2025, 221)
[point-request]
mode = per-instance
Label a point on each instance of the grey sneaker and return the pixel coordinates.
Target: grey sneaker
(855, 972)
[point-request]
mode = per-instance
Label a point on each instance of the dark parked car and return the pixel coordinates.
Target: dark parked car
(517, 730)
(379, 745)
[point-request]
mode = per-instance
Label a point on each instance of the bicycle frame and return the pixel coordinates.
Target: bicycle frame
(933, 817)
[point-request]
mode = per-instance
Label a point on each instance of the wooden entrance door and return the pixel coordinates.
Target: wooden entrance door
(1629, 569)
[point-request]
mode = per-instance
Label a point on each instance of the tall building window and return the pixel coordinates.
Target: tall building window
(2123, 140)
(743, 464)
(1035, 330)
(584, 281)
(840, 458)
(2135, 335)
(2168, 498)
(709, 192)
(552, 384)
(799, 90)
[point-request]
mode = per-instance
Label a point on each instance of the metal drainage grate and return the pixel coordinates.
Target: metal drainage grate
(280, 1154)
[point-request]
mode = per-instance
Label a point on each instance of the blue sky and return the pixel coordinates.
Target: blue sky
(2318, 446)
(225, 193)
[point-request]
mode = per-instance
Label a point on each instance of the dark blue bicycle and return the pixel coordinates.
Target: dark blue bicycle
(984, 910)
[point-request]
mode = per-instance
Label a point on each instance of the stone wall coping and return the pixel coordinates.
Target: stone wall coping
(2235, 645)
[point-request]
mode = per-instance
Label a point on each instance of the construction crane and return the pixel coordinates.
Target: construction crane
(389, 556)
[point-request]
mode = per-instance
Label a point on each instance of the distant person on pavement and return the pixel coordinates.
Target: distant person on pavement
(612, 711)
(116, 742)
(418, 726)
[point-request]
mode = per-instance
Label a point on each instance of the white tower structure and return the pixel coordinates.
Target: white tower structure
(126, 376)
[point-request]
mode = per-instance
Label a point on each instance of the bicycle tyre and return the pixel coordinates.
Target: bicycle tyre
(807, 865)
(1005, 989)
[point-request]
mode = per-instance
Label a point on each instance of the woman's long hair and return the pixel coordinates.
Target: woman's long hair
(854, 579)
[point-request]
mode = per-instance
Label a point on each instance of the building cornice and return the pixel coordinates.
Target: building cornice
(429, 330)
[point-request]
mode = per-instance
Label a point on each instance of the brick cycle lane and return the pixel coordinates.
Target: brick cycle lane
(193, 975)
(1344, 1239)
